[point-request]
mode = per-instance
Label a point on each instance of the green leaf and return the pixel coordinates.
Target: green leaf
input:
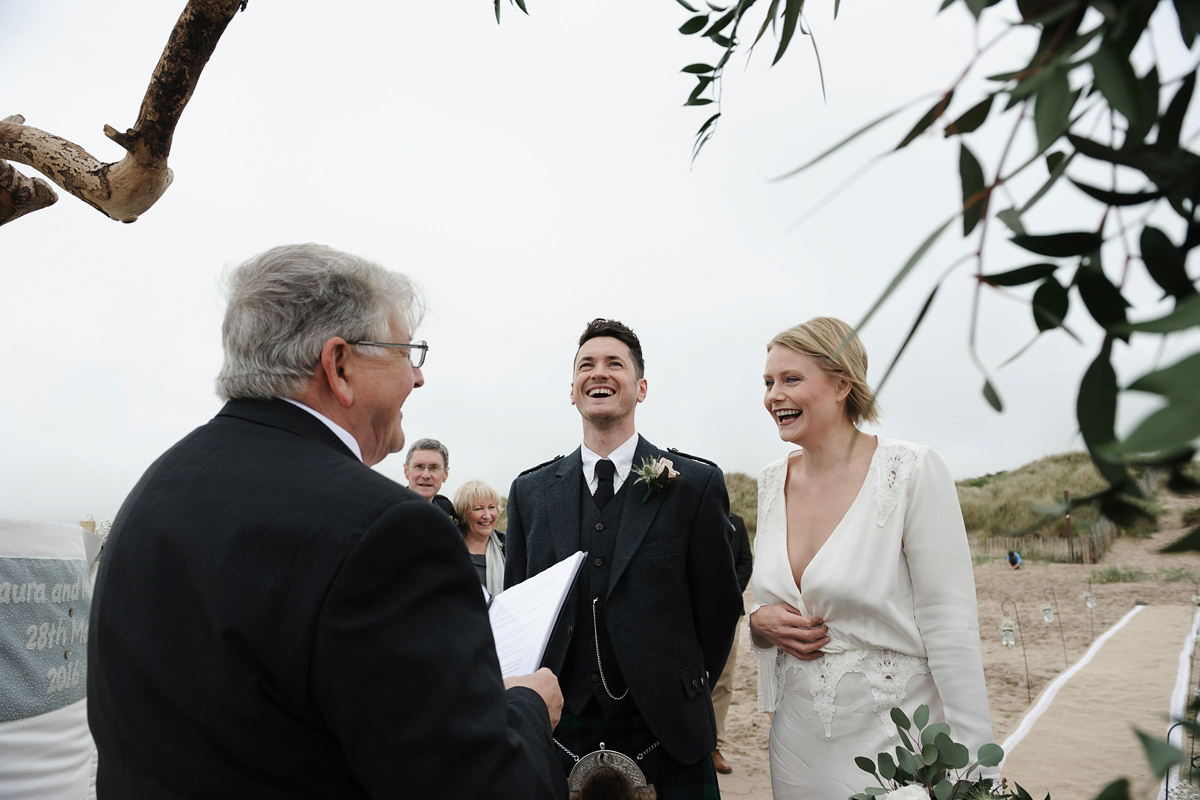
(1021, 276)
(697, 69)
(1161, 755)
(962, 756)
(1096, 412)
(904, 738)
(943, 790)
(865, 764)
(1170, 428)
(945, 747)
(791, 15)
(685, 5)
(1182, 483)
(1050, 304)
(1187, 544)
(1052, 110)
(1165, 263)
(1180, 381)
(1189, 21)
(837, 4)
(989, 394)
(929, 755)
(917, 255)
(929, 734)
(921, 716)
(767, 20)
(887, 767)
(1148, 91)
(897, 714)
(1012, 218)
(707, 123)
(1118, 83)
(1057, 168)
(1110, 198)
(1103, 300)
(721, 23)
(694, 25)
(879, 386)
(1186, 315)
(1060, 245)
(990, 755)
(1116, 791)
(923, 124)
(1171, 122)
(497, 12)
(907, 761)
(875, 791)
(975, 116)
(702, 82)
(698, 101)
(974, 190)
(842, 143)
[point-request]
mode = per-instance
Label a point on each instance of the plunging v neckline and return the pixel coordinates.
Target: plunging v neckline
(787, 468)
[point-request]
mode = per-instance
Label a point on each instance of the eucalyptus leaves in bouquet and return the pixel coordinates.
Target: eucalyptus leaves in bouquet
(930, 764)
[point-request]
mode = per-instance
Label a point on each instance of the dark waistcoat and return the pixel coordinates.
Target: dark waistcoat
(582, 677)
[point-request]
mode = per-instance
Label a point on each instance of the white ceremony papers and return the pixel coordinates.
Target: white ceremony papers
(522, 617)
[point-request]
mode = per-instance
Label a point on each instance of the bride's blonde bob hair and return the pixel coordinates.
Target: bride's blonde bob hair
(841, 354)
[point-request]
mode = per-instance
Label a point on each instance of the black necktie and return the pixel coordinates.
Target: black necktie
(605, 470)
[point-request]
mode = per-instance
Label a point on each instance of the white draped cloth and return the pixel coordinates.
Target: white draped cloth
(894, 585)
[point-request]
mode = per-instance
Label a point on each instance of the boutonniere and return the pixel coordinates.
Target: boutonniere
(656, 474)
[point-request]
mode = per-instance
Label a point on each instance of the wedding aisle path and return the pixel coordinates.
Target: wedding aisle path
(1078, 735)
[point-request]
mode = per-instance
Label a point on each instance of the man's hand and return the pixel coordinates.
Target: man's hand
(545, 684)
(790, 631)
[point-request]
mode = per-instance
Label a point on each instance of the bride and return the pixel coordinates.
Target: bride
(866, 598)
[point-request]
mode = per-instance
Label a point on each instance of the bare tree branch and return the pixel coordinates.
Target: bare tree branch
(125, 189)
(21, 194)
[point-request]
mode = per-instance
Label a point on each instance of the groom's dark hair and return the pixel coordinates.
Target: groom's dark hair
(622, 333)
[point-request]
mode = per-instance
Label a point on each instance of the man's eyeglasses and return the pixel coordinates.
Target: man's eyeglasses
(417, 358)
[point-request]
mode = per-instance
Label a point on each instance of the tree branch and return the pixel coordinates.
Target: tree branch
(21, 194)
(124, 190)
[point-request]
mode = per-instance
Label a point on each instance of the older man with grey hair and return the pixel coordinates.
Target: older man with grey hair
(272, 618)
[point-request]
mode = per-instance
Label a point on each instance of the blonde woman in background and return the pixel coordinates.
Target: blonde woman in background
(863, 576)
(478, 508)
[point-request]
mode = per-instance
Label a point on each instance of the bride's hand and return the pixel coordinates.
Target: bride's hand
(789, 630)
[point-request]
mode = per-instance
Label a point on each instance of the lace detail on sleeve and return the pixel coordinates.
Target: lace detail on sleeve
(769, 482)
(893, 466)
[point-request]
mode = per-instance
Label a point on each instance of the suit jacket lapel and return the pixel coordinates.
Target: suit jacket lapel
(637, 516)
(562, 504)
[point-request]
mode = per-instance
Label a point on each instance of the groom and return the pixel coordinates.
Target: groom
(650, 622)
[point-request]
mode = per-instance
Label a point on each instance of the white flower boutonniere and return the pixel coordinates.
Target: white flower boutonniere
(656, 474)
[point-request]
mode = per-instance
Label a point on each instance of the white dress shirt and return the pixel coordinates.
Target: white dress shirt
(338, 430)
(622, 459)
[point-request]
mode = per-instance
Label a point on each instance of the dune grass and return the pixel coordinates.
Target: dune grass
(1000, 503)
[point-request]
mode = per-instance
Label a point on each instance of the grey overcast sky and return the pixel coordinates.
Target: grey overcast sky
(530, 175)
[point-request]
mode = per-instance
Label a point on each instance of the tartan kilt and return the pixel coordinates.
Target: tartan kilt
(629, 735)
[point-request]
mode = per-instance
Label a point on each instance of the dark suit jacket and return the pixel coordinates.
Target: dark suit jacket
(272, 619)
(672, 600)
(743, 557)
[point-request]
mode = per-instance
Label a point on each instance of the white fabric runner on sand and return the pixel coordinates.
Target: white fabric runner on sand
(1079, 734)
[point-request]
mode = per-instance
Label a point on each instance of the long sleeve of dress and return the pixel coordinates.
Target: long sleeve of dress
(943, 584)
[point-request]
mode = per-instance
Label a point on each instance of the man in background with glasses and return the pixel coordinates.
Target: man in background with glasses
(426, 468)
(274, 619)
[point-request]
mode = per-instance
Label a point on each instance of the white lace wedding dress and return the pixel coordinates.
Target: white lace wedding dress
(895, 587)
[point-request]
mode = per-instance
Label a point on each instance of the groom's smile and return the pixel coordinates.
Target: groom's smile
(606, 387)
